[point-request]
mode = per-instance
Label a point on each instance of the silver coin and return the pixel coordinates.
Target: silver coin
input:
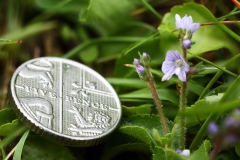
(64, 101)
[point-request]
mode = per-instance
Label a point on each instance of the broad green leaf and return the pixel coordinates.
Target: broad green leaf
(172, 155)
(207, 38)
(203, 152)
(129, 111)
(8, 128)
(158, 153)
(105, 10)
(149, 122)
(138, 132)
(164, 94)
(110, 153)
(38, 148)
(202, 104)
(18, 151)
(6, 116)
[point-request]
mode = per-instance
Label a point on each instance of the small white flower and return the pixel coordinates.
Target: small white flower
(186, 153)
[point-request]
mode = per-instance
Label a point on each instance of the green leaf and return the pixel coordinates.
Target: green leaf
(38, 148)
(164, 94)
(18, 151)
(158, 153)
(129, 111)
(149, 122)
(230, 100)
(8, 128)
(138, 132)
(130, 147)
(30, 30)
(89, 54)
(202, 104)
(203, 152)
(175, 136)
(207, 38)
(6, 116)
(237, 149)
(128, 82)
(105, 10)
(171, 155)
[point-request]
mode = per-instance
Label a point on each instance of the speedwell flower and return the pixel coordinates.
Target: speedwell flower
(174, 64)
(186, 23)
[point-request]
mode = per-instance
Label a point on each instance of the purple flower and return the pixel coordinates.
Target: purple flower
(178, 151)
(174, 64)
(187, 43)
(136, 61)
(186, 23)
(231, 139)
(140, 69)
(212, 128)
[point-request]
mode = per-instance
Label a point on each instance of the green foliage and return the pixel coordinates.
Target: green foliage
(6, 116)
(204, 105)
(203, 152)
(18, 152)
(38, 148)
(105, 10)
(8, 128)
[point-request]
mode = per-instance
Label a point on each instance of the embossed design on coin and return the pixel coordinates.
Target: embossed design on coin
(64, 101)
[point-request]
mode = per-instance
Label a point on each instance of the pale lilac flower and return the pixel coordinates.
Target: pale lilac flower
(212, 128)
(174, 64)
(186, 23)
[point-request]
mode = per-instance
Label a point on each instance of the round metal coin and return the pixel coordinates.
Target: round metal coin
(64, 101)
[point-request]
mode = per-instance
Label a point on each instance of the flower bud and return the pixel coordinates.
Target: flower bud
(145, 58)
(212, 128)
(136, 61)
(187, 43)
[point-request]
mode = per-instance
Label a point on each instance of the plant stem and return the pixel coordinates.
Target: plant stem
(182, 106)
(157, 101)
(183, 96)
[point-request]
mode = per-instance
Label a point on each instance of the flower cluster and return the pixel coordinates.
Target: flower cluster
(174, 64)
(229, 131)
(186, 29)
(141, 64)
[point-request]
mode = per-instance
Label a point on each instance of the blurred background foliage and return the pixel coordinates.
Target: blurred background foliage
(105, 35)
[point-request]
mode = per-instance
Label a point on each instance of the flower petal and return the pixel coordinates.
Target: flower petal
(193, 27)
(172, 55)
(182, 75)
(166, 77)
(168, 67)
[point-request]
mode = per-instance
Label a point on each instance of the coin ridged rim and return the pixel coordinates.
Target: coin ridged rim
(51, 134)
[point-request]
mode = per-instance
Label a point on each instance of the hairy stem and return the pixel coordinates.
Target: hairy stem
(182, 106)
(183, 95)
(157, 101)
